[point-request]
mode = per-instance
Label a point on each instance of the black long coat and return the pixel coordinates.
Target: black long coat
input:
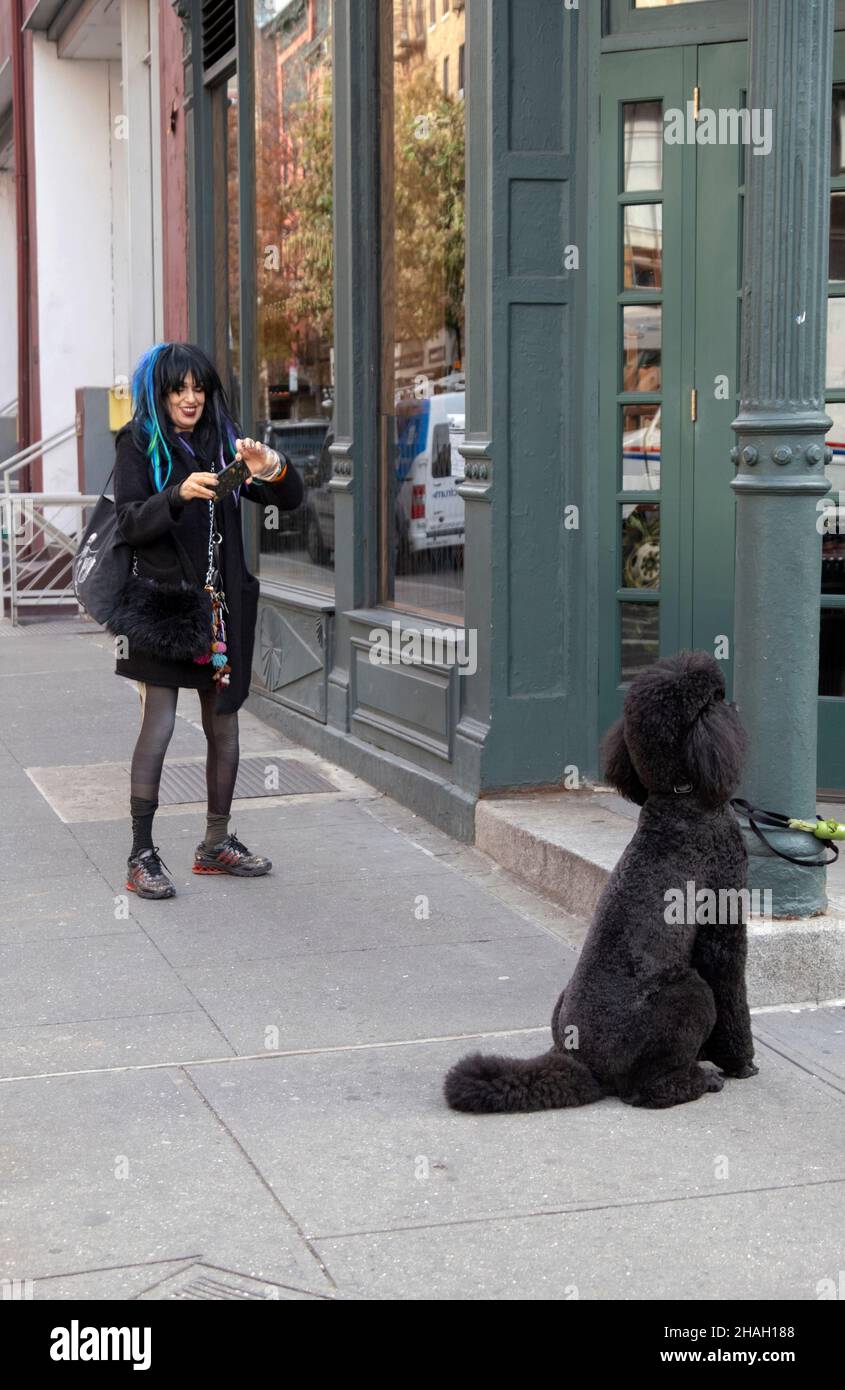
(170, 538)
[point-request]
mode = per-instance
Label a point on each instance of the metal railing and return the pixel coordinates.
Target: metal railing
(36, 552)
(33, 451)
(36, 555)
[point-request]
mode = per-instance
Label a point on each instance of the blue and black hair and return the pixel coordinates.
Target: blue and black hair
(161, 370)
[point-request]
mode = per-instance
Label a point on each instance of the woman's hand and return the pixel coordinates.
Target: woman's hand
(202, 486)
(261, 461)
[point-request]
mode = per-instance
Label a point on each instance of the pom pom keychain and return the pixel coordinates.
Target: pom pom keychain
(218, 646)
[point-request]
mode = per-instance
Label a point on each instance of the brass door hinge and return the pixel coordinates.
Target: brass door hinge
(693, 405)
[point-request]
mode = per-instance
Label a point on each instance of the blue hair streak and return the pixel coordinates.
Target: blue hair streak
(146, 412)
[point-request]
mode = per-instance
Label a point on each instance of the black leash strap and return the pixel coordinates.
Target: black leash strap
(774, 819)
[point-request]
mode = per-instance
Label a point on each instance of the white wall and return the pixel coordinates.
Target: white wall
(8, 289)
(73, 201)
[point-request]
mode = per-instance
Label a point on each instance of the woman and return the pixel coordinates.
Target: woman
(180, 436)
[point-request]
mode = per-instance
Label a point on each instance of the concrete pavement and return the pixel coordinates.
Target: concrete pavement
(236, 1093)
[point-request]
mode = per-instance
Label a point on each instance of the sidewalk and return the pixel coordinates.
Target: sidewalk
(236, 1093)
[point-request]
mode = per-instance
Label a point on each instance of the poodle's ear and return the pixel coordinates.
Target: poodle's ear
(618, 768)
(715, 753)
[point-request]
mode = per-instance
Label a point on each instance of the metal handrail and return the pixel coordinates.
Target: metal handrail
(27, 594)
(9, 407)
(33, 451)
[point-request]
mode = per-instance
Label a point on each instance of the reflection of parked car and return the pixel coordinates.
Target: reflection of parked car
(319, 506)
(430, 511)
(302, 441)
(641, 456)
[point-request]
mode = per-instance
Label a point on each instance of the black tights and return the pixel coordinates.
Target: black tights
(158, 705)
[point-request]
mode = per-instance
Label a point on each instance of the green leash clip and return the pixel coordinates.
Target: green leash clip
(822, 829)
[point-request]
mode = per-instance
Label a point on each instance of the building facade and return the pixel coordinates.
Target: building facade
(93, 222)
(490, 300)
(478, 267)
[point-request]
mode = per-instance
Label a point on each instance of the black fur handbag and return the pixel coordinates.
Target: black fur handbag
(169, 621)
(174, 622)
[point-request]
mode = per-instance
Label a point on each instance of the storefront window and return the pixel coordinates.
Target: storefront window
(422, 384)
(295, 360)
(227, 275)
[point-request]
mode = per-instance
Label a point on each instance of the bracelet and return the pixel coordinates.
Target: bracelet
(281, 470)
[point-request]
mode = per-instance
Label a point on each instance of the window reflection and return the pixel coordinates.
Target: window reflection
(422, 279)
(641, 546)
(642, 246)
(226, 238)
(837, 141)
(640, 448)
(832, 652)
(836, 344)
(835, 470)
(837, 237)
(640, 638)
(295, 387)
(641, 347)
(643, 145)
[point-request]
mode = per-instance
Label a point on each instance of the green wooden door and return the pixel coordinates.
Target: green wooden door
(671, 256)
(671, 252)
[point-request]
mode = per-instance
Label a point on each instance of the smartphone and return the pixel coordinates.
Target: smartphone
(230, 478)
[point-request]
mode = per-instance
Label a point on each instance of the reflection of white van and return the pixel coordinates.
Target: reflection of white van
(641, 456)
(429, 511)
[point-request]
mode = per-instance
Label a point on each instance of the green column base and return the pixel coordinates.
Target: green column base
(795, 892)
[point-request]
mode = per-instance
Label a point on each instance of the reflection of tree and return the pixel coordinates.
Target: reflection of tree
(308, 215)
(233, 240)
(293, 201)
(429, 208)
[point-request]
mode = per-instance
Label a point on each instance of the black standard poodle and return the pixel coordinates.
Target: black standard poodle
(651, 996)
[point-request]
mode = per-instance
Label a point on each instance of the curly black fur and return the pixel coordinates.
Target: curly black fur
(165, 620)
(649, 1000)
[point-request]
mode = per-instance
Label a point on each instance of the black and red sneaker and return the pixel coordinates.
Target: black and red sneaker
(146, 875)
(230, 857)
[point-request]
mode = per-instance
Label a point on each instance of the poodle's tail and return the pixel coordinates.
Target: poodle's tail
(495, 1085)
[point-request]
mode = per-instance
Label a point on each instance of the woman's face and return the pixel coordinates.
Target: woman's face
(185, 406)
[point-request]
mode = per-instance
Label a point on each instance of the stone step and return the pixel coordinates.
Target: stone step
(564, 844)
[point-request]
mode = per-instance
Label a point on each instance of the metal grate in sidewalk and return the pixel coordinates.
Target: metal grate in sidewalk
(258, 775)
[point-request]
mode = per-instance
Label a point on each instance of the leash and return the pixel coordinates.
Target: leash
(825, 830)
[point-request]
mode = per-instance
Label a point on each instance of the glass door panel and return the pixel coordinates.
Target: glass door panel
(642, 372)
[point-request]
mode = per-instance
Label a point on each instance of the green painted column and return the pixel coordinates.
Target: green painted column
(780, 451)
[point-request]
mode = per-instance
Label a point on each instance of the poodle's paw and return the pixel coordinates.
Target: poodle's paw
(738, 1071)
(715, 1081)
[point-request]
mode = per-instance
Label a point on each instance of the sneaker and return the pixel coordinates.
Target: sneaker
(147, 877)
(230, 857)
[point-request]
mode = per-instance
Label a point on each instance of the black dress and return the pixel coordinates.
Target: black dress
(170, 538)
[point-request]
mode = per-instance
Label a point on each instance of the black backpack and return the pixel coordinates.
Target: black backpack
(103, 561)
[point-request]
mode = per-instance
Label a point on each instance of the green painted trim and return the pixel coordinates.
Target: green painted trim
(356, 327)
